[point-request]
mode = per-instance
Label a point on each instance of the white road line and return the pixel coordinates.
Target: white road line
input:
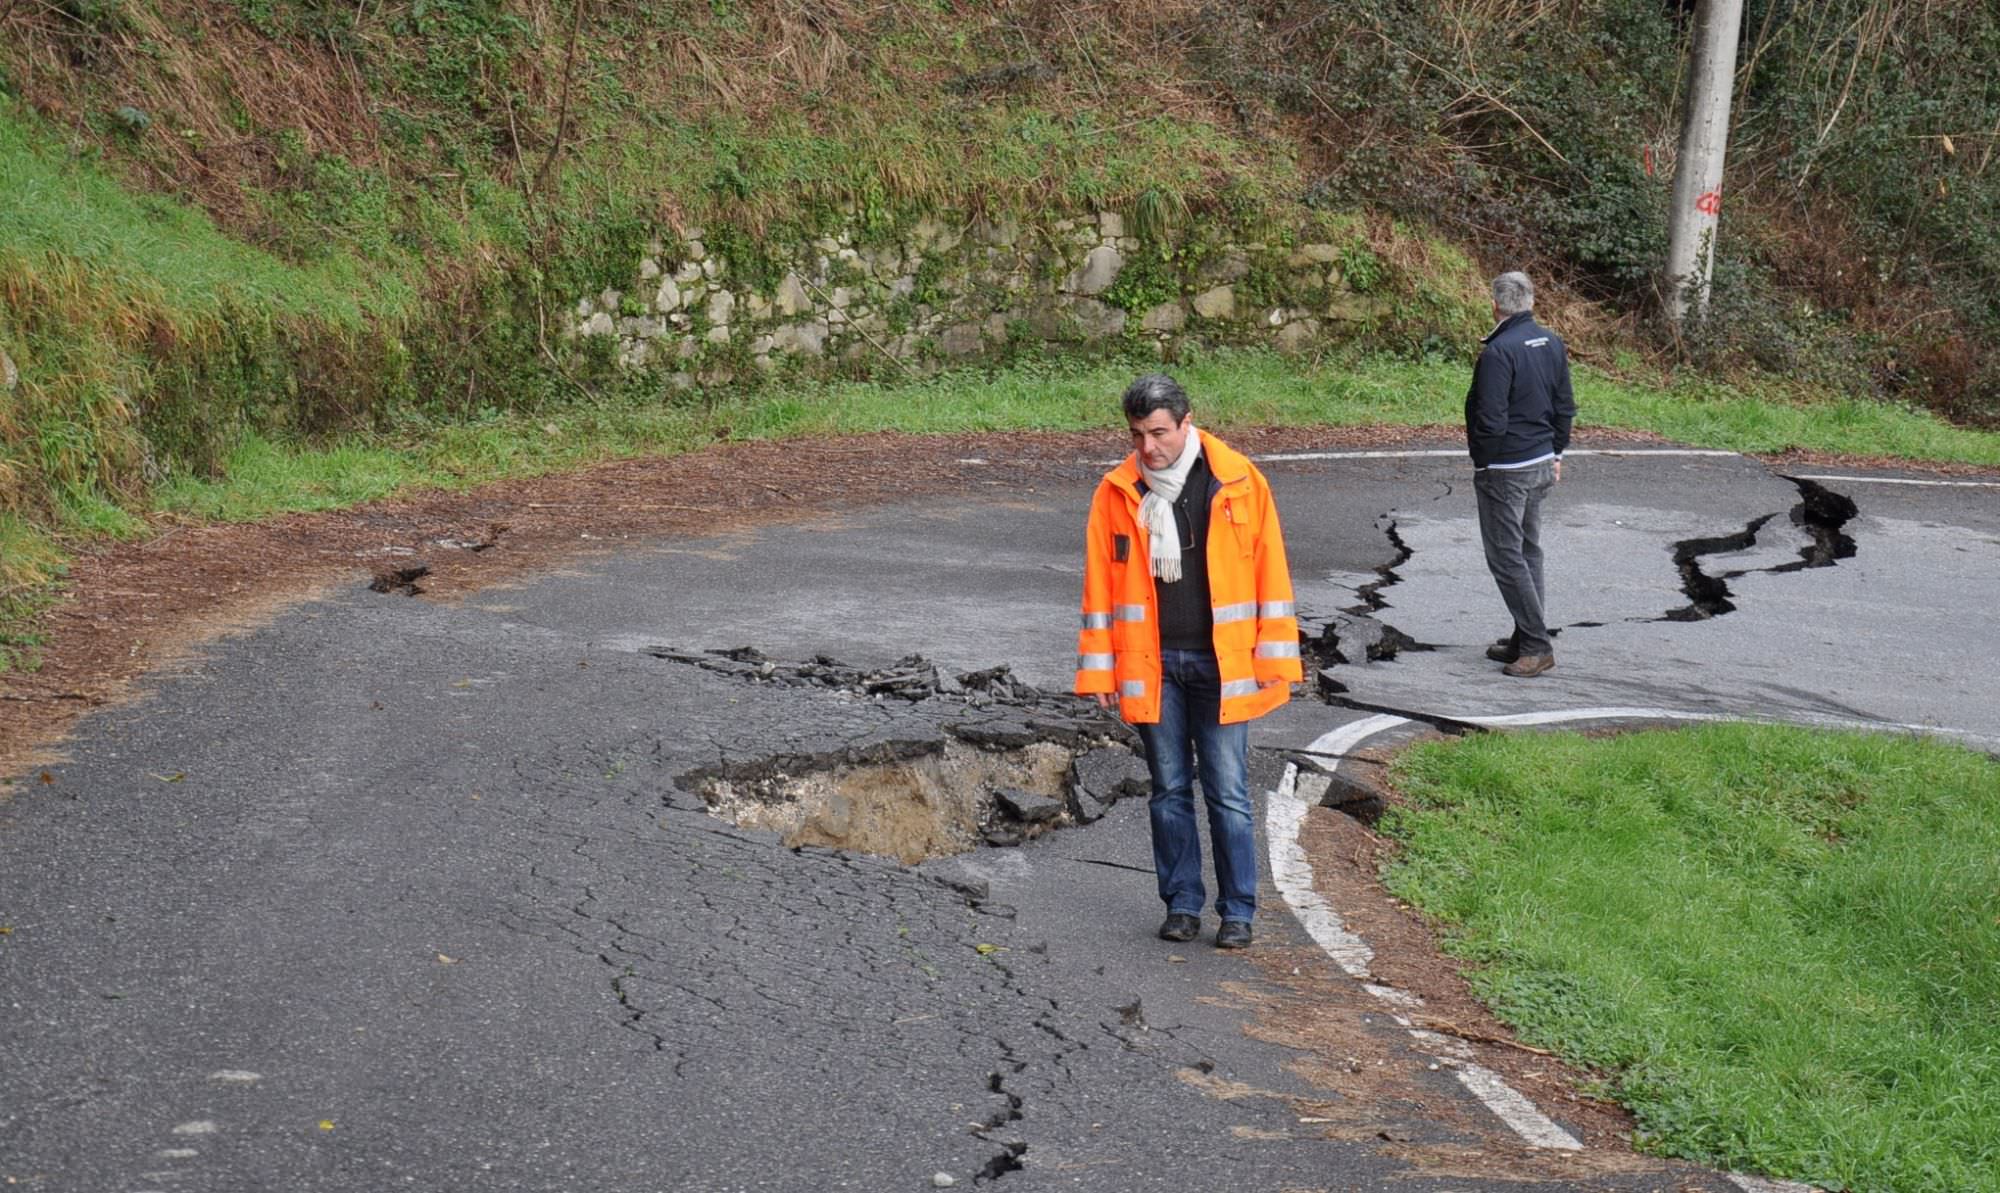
(1816, 720)
(1417, 453)
(1291, 872)
(1423, 453)
(1900, 480)
(1414, 453)
(1758, 1184)
(1515, 1108)
(1440, 453)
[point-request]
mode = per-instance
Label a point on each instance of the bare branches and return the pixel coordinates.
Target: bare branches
(562, 110)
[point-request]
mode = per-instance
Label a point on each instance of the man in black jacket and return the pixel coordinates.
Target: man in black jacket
(1517, 419)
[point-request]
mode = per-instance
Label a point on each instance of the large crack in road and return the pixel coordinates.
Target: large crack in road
(1356, 632)
(1820, 513)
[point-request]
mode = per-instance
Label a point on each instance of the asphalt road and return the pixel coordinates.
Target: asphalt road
(393, 894)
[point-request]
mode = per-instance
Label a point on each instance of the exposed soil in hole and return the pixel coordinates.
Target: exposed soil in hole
(402, 581)
(1016, 761)
(912, 809)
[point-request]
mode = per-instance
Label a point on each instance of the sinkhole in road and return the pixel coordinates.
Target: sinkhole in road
(943, 801)
(981, 758)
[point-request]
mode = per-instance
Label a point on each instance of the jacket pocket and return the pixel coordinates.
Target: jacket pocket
(1236, 515)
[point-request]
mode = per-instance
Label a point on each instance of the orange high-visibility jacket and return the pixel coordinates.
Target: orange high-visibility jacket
(1249, 587)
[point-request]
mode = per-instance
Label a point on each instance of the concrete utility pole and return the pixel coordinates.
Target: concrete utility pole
(1698, 168)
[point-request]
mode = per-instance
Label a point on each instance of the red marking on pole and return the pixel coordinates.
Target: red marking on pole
(1709, 203)
(1648, 157)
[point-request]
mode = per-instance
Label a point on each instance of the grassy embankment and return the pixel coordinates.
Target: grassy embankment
(116, 308)
(272, 257)
(1781, 945)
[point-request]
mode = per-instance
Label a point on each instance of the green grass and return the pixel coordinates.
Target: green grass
(1708, 415)
(1260, 388)
(146, 249)
(1230, 389)
(265, 478)
(27, 557)
(1782, 945)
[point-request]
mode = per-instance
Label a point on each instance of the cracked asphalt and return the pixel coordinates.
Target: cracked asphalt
(391, 893)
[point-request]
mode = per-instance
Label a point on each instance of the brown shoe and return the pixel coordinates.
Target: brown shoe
(1528, 666)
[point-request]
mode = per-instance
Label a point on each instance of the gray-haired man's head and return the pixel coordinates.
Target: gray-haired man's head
(1155, 391)
(1156, 410)
(1513, 293)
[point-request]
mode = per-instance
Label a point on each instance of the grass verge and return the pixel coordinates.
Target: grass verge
(1230, 388)
(1783, 945)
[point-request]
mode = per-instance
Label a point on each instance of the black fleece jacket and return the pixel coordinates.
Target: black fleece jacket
(1520, 404)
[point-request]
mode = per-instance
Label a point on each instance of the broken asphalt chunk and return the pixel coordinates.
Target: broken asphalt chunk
(1109, 775)
(1027, 806)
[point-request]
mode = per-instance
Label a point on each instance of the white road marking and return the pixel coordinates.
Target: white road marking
(236, 1076)
(1623, 713)
(1900, 480)
(1291, 872)
(1758, 1184)
(1514, 1107)
(198, 1127)
(1418, 453)
(1440, 453)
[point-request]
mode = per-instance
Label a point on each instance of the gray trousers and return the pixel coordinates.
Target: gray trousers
(1510, 528)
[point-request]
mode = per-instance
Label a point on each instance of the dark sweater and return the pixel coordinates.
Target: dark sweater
(1520, 404)
(1187, 622)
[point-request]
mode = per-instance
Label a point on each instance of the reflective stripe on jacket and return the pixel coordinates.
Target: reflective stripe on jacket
(1249, 587)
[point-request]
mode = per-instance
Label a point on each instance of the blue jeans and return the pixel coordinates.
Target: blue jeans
(1190, 738)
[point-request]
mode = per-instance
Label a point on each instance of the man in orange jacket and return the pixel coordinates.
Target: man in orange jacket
(1188, 623)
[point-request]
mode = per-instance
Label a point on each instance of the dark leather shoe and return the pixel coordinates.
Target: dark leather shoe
(1503, 651)
(1180, 927)
(1529, 666)
(1234, 934)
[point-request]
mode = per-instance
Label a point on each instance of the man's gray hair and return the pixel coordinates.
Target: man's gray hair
(1156, 391)
(1513, 293)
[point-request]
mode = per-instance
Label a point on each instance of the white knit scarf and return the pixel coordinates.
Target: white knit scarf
(1156, 512)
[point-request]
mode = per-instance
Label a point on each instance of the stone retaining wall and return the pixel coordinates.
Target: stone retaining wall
(940, 291)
